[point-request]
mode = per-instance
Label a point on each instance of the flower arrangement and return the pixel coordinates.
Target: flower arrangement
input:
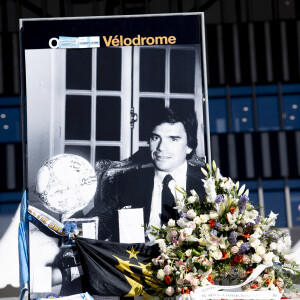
(221, 238)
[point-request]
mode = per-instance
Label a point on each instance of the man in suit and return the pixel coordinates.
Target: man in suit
(172, 139)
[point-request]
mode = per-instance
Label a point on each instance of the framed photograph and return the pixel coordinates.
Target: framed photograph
(93, 87)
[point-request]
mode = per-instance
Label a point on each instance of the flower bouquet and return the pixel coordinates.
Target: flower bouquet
(221, 238)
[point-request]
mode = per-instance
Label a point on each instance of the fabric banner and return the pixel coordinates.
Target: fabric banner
(23, 246)
(114, 269)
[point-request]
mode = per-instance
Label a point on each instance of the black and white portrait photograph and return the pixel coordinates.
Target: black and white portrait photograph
(134, 114)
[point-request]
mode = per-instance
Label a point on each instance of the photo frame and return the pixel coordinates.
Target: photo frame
(90, 87)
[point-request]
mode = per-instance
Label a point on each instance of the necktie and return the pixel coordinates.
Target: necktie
(167, 201)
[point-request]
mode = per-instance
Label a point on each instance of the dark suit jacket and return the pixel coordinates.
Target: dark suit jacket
(134, 189)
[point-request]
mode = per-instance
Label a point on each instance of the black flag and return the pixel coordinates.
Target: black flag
(114, 269)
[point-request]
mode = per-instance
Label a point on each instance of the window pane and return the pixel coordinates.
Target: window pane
(83, 151)
(108, 122)
(184, 105)
(268, 113)
(295, 202)
(148, 109)
(182, 71)
(217, 115)
(291, 112)
(78, 118)
(10, 129)
(274, 200)
(109, 68)
(242, 114)
(152, 70)
(108, 152)
(79, 69)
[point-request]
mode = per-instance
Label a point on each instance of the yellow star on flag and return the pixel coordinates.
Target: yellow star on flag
(132, 253)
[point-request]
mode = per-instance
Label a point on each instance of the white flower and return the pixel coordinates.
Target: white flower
(191, 213)
(258, 279)
(256, 258)
(188, 252)
(197, 220)
(191, 238)
(210, 189)
(192, 199)
(254, 242)
(160, 274)
(162, 245)
(273, 246)
(260, 250)
(239, 243)
(167, 270)
(202, 242)
(217, 255)
(204, 218)
(169, 291)
(222, 242)
(288, 258)
(213, 215)
(268, 257)
(234, 250)
(171, 223)
(193, 193)
(182, 222)
(227, 184)
(241, 190)
(188, 231)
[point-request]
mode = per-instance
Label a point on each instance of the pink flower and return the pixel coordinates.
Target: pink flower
(191, 224)
(173, 233)
(180, 281)
(156, 260)
(179, 263)
(234, 249)
(195, 282)
(242, 273)
(175, 243)
(167, 270)
(191, 214)
(246, 259)
(169, 291)
(182, 237)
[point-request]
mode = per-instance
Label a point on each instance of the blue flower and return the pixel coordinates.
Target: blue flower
(213, 232)
(219, 199)
(244, 248)
(233, 237)
(242, 202)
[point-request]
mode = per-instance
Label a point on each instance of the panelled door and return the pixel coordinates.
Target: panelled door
(105, 87)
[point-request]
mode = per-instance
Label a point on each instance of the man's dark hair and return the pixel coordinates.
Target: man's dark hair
(187, 118)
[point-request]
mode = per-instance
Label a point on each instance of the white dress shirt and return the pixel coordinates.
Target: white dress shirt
(179, 178)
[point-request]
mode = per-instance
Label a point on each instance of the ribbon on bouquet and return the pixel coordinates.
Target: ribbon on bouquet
(213, 291)
(51, 223)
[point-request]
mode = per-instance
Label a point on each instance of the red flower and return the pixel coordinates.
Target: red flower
(183, 291)
(268, 281)
(168, 279)
(224, 255)
(238, 258)
(250, 270)
(212, 223)
(210, 278)
(254, 286)
(232, 209)
(246, 235)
